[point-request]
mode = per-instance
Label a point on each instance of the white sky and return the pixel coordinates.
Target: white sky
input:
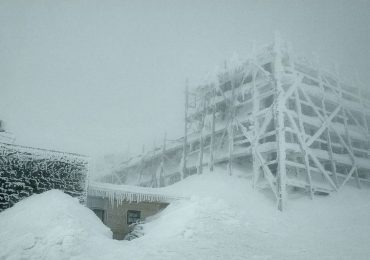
(96, 76)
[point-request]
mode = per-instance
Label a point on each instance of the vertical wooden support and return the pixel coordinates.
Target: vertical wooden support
(331, 156)
(302, 131)
(142, 164)
(231, 146)
(201, 137)
(281, 154)
(141, 168)
(327, 132)
(364, 118)
(364, 114)
(141, 171)
(366, 125)
(163, 157)
(349, 141)
(348, 138)
(279, 108)
(185, 144)
(212, 145)
(303, 148)
(231, 128)
(255, 140)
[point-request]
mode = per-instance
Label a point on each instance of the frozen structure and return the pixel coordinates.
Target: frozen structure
(120, 207)
(296, 127)
(26, 170)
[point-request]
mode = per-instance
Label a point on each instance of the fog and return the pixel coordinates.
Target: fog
(97, 77)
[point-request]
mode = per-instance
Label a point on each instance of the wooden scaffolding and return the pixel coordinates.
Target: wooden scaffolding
(301, 128)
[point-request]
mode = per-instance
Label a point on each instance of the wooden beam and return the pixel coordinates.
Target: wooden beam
(349, 175)
(185, 144)
(163, 157)
(350, 146)
(303, 136)
(308, 151)
(201, 138)
(324, 126)
(292, 88)
(327, 132)
(255, 139)
(279, 124)
(231, 128)
(212, 145)
(329, 125)
(268, 174)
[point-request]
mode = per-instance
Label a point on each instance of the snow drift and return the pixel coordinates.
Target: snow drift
(51, 225)
(224, 218)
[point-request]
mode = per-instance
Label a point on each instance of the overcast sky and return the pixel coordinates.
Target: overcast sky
(96, 76)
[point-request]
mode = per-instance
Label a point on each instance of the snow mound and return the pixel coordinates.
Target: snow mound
(51, 225)
(224, 218)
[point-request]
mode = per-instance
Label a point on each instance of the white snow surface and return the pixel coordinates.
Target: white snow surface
(51, 225)
(223, 219)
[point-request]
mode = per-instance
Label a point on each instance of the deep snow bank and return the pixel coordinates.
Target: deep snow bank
(51, 225)
(224, 218)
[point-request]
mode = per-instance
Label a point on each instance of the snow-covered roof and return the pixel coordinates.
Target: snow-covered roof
(120, 193)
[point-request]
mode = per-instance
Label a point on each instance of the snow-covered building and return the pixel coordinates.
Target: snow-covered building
(295, 126)
(120, 206)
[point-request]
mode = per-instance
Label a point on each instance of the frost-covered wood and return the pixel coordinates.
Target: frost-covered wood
(25, 171)
(304, 129)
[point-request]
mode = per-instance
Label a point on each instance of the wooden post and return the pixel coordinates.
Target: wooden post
(254, 142)
(364, 117)
(141, 166)
(185, 144)
(161, 176)
(303, 136)
(349, 141)
(201, 137)
(302, 131)
(279, 126)
(231, 128)
(330, 147)
(212, 145)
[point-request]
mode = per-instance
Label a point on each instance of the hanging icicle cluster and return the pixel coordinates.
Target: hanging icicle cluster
(121, 193)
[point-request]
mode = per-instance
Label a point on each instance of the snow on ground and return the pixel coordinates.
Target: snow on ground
(223, 219)
(51, 225)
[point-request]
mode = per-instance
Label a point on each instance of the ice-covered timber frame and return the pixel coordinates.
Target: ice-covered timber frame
(302, 128)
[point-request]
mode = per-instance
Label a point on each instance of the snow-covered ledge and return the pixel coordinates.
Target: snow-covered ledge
(120, 193)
